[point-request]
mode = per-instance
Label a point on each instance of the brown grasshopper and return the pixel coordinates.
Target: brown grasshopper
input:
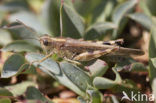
(80, 50)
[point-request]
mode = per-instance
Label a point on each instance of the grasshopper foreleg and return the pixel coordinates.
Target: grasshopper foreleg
(43, 59)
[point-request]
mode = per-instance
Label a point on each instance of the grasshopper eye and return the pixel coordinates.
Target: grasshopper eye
(45, 42)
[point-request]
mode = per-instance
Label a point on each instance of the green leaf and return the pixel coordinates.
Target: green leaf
(27, 69)
(152, 44)
(103, 10)
(98, 30)
(50, 15)
(151, 6)
(120, 12)
(73, 24)
(76, 75)
(144, 7)
(142, 19)
(154, 87)
(153, 60)
(124, 63)
(5, 100)
(152, 54)
(5, 37)
(5, 92)
(98, 68)
(85, 8)
(34, 94)
(15, 5)
(67, 74)
(118, 78)
(19, 89)
(12, 65)
(103, 83)
(22, 32)
(48, 64)
(114, 99)
(20, 46)
(95, 96)
(138, 67)
(30, 20)
(81, 99)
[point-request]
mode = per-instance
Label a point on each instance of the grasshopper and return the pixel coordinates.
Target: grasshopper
(78, 50)
(81, 50)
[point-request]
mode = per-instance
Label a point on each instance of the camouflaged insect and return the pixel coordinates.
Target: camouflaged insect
(80, 50)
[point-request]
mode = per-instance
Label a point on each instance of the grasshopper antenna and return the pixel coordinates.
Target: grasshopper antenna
(29, 28)
(61, 23)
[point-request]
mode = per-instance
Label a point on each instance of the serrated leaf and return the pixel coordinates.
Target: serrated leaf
(20, 46)
(19, 89)
(73, 25)
(98, 68)
(97, 30)
(143, 19)
(34, 94)
(12, 65)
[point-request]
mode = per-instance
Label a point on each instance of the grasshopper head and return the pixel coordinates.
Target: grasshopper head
(45, 40)
(46, 43)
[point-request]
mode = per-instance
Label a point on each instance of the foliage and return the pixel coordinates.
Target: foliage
(87, 19)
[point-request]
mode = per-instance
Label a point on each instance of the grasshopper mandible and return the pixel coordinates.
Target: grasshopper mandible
(74, 50)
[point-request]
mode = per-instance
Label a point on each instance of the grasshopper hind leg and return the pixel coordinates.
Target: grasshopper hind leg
(87, 56)
(73, 61)
(117, 42)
